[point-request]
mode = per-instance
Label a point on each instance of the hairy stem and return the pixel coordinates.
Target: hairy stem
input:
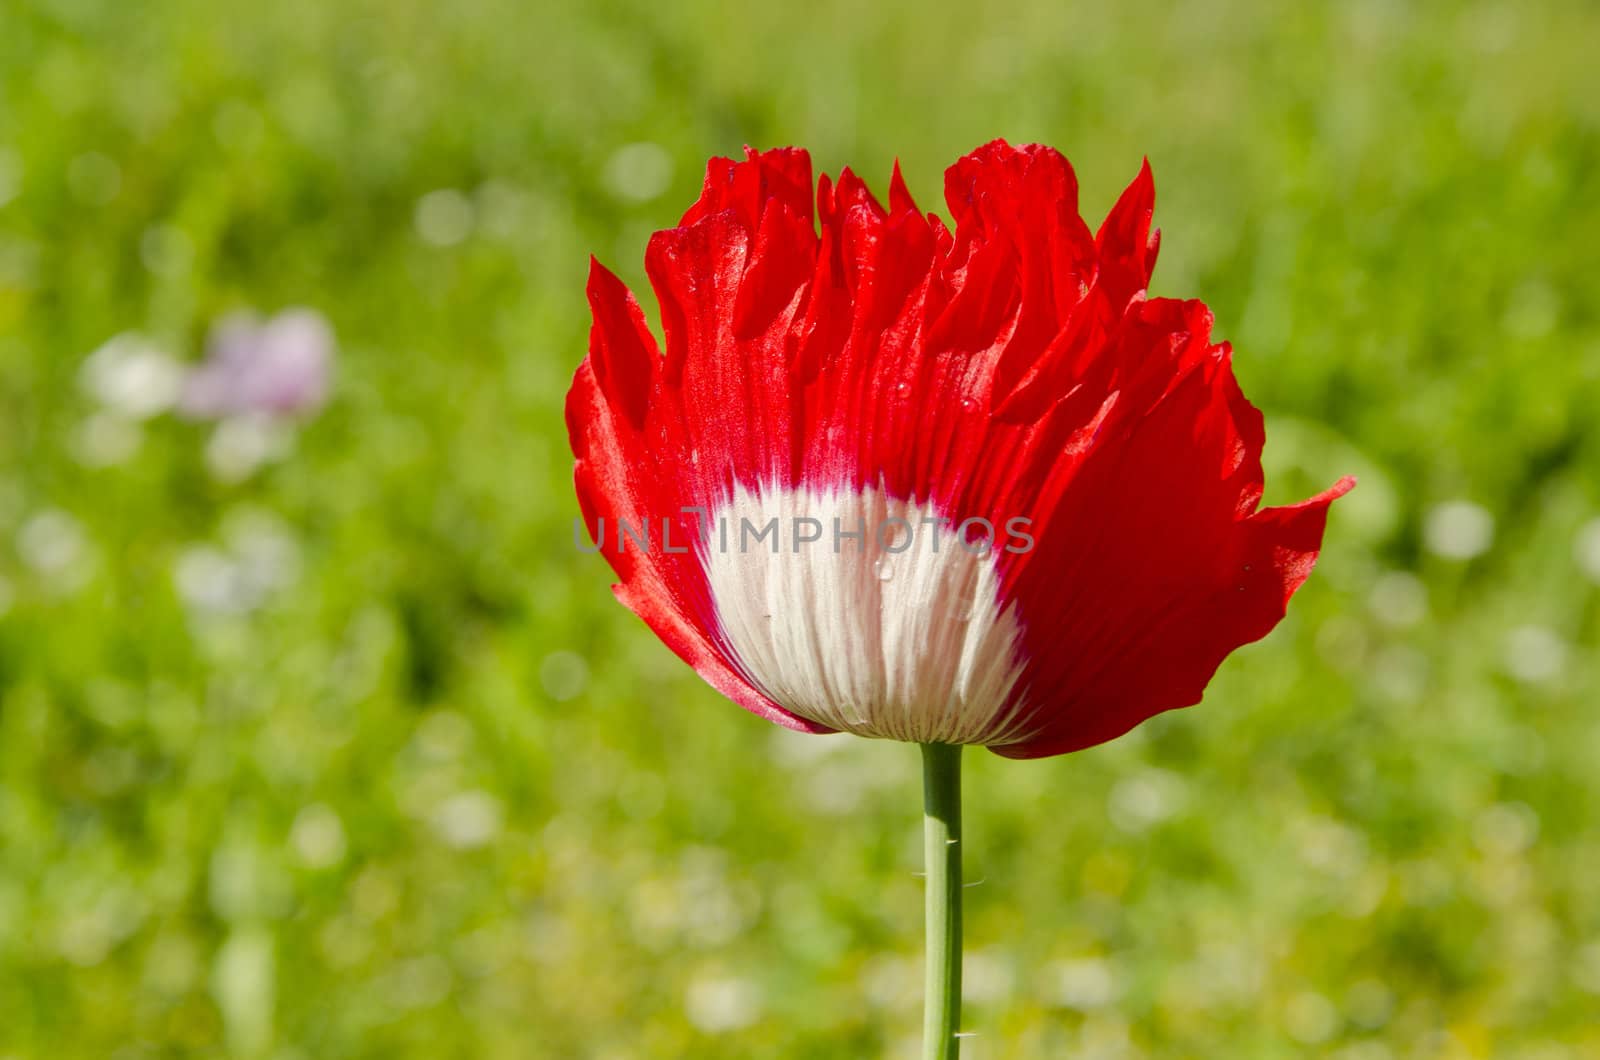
(941, 831)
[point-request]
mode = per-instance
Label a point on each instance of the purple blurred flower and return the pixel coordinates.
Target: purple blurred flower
(280, 367)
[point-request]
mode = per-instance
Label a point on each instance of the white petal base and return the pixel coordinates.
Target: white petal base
(899, 634)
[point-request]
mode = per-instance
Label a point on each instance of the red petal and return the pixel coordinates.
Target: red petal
(1168, 663)
(778, 177)
(1153, 567)
(1126, 246)
(621, 346)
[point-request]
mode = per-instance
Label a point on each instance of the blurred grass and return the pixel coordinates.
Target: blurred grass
(435, 794)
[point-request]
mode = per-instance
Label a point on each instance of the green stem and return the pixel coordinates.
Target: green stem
(941, 835)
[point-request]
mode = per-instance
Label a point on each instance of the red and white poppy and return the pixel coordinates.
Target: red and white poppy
(1016, 500)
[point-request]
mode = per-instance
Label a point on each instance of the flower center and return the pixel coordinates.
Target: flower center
(866, 613)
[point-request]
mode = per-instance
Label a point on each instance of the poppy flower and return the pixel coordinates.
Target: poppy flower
(951, 484)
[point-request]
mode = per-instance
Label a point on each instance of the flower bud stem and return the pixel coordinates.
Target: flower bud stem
(941, 830)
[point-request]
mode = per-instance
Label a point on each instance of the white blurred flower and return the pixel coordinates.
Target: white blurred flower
(1399, 599)
(986, 977)
(132, 377)
(443, 736)
(891, 982)
(468, 819)
(52, 543)
(1400, 672)
(1587, 971)
(717, 1004)
(444, 217)
(261, 557)
(564, 675)
(836, 788)
(94, 178)
(210, 582)
(1310, 1018)
(266, 549)
(166, 250)
(171, 965)
(318, 836)
(10, 176)
(280, 367)
(1085, 983)
(1369, 1003)
(1367, 1049)
(800, 749)
(1459, 530)
(1505, 829)
(1586, 549)
(106, 439)
(1343, 643)
(1533, 310)
(95, 918)
(1330, 846)
(241, 445)
(419, 983)
(1534, 654)
(656, 913)
(1146, 798)
(720, 909)
(1106, 1036)
(501, 210)
(244, 982)
(639, 172)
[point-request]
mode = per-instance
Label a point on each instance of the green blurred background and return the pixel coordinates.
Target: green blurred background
(337, 749)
